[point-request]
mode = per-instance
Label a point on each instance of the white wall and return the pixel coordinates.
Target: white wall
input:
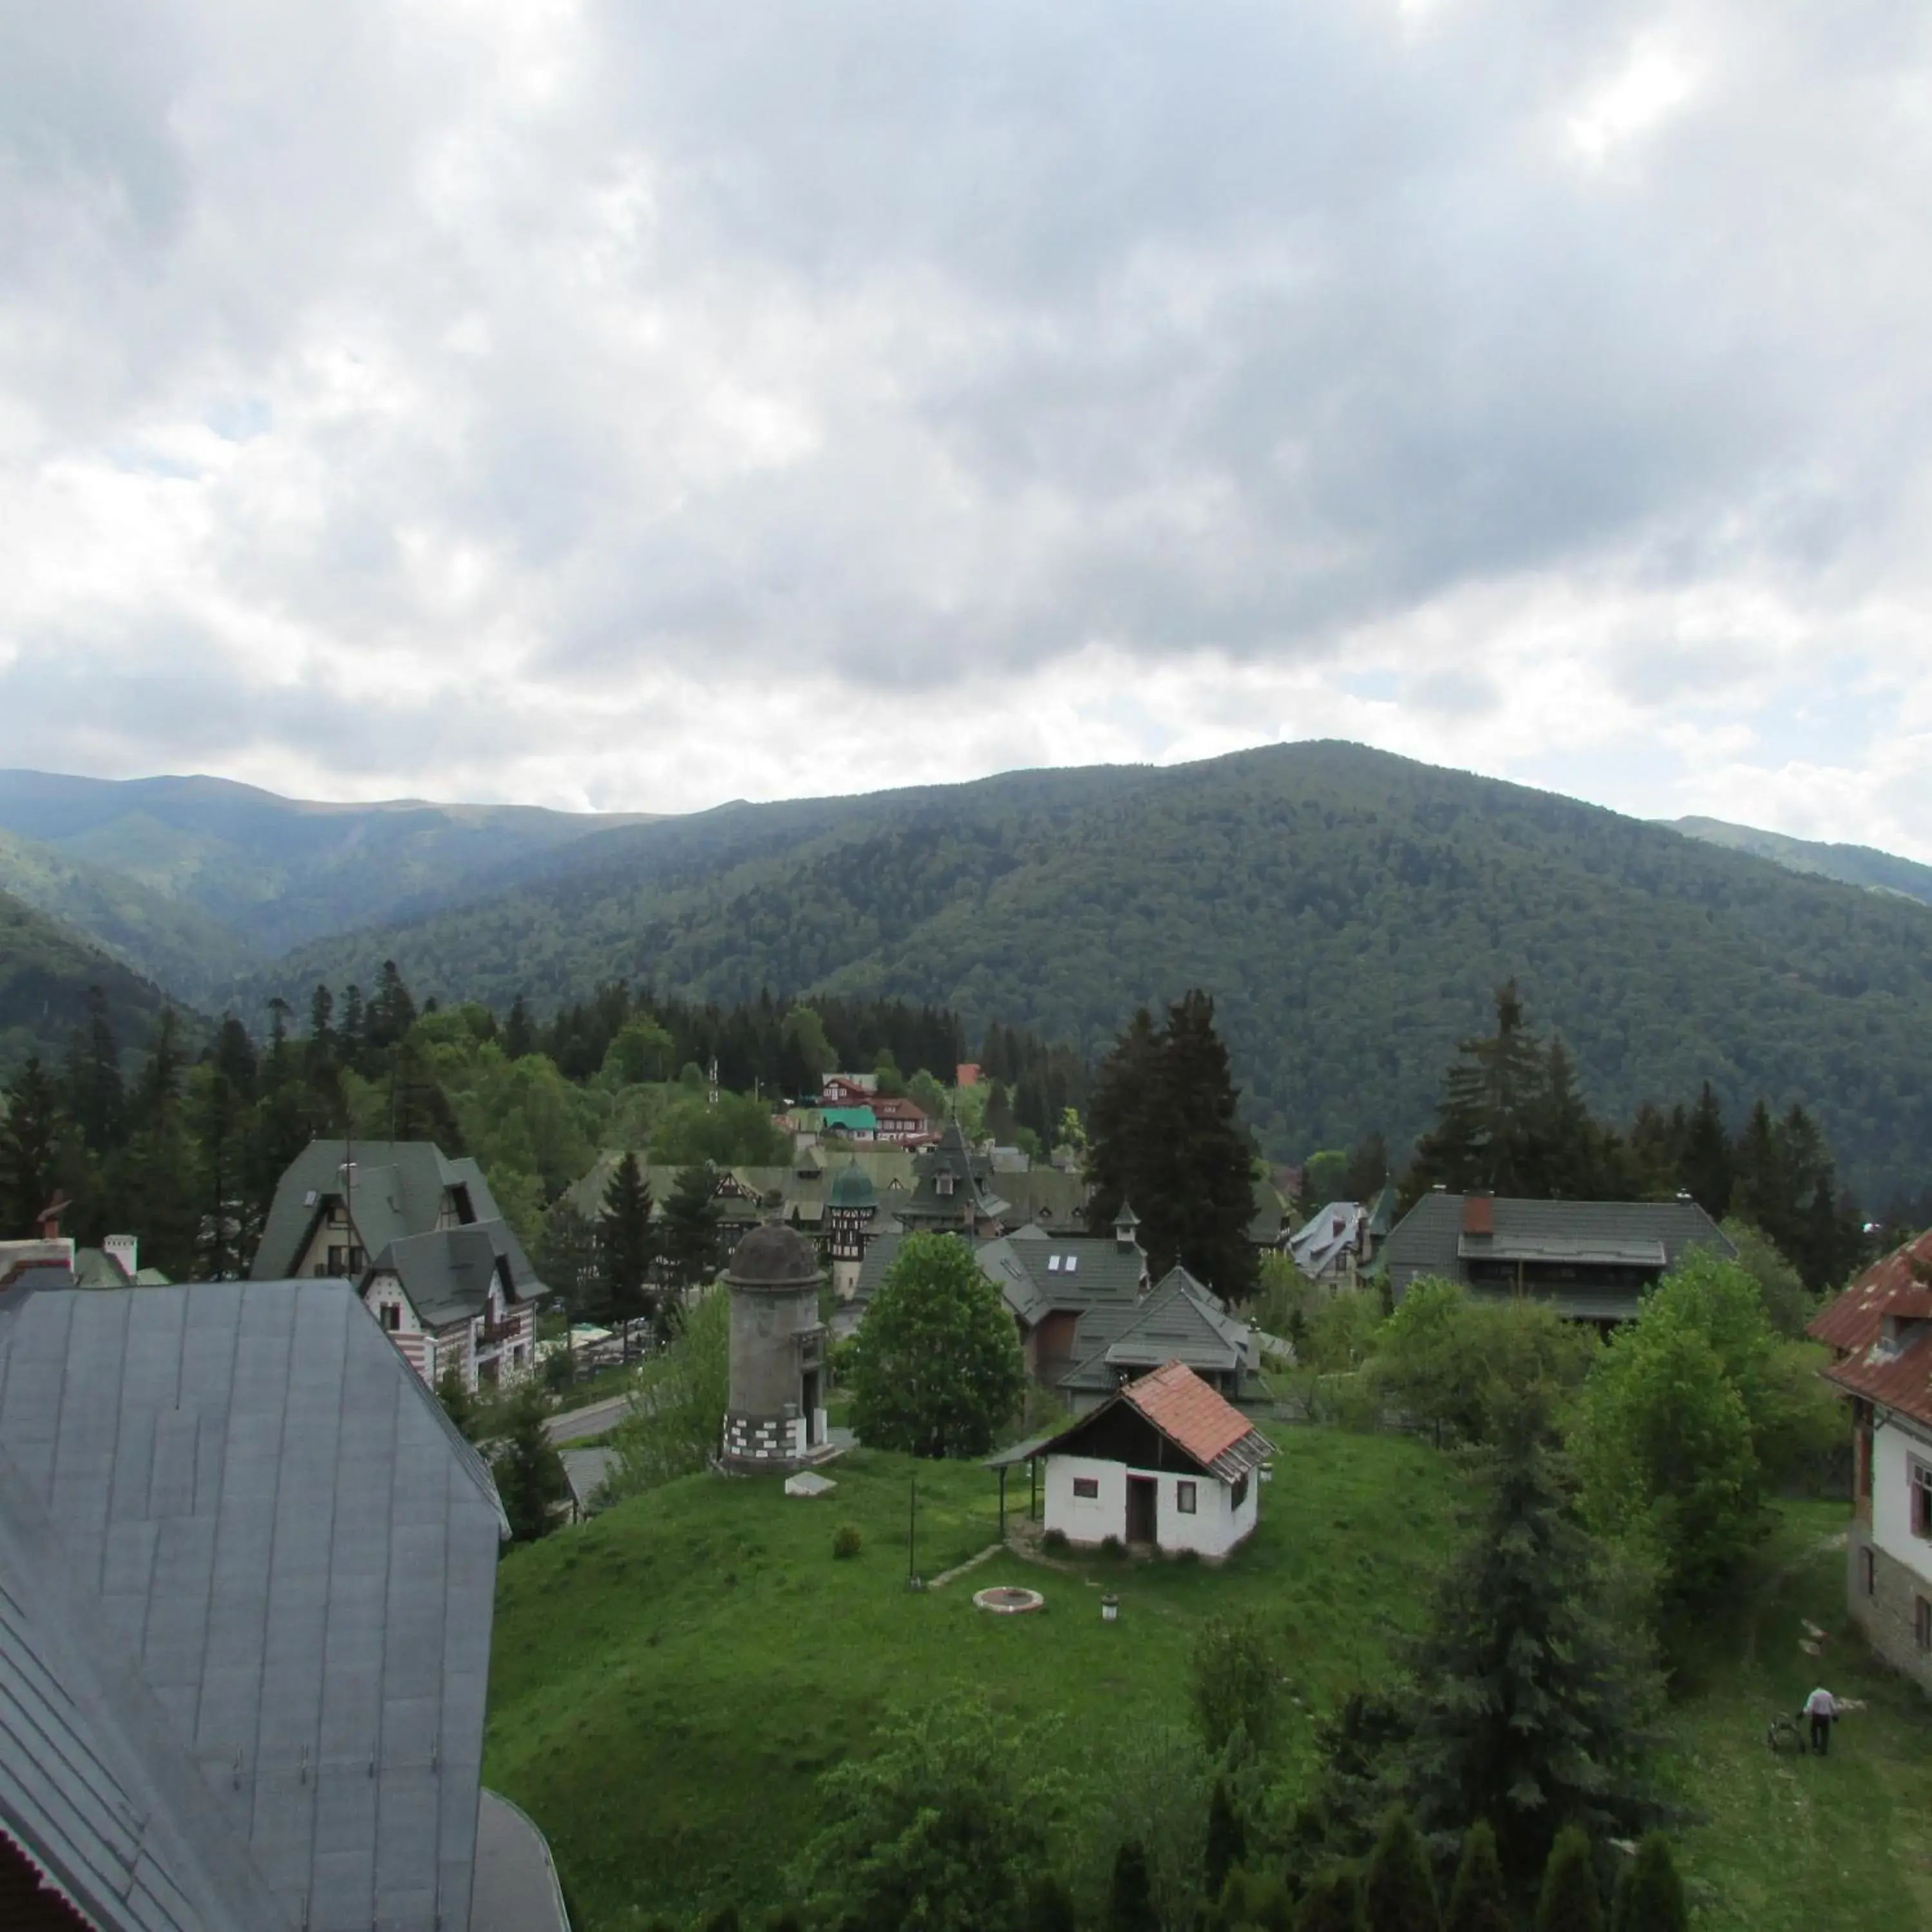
(1894, 1448)
(1079, 1519)
(1214, 1528)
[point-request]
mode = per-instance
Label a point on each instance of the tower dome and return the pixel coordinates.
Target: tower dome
(775, 1258)
(852, 1187)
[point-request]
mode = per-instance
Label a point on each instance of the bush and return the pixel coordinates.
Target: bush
(847, 1541)
(1112, 1547)
(1569, 1901)
(1054, 1540)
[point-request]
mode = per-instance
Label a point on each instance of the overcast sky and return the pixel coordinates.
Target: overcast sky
(643, 404)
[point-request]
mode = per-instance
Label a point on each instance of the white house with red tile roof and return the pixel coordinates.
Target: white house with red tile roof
(1880, 1333)
(1168, 1462)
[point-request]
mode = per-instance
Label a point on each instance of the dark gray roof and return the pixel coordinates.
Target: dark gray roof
(446, 1274)
(251, 1563)
(1178, 1320)
(397, 1192)
(1430, 1238)
(1062, 1271)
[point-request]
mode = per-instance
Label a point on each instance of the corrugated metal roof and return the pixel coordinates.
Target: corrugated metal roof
(1882, 1354)
(291, 1555)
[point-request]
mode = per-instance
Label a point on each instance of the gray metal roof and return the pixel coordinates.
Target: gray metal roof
(397, 1191)
(269, 1554)
(446, 1274)
(1430, 1238)
(1179, 1321)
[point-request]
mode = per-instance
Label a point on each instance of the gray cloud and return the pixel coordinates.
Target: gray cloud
(911, 347)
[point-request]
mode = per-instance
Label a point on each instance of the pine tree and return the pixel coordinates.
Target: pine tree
(321, 1043)
(624, 1243)
(1200, 1219)
(519, 1035)
(96, 1097)
(1130, 1892)
(1564, 1155)
(1486, 1120)
(1650, 1895)
(1706, 1168)
(30, 1148)
(1569, 1901)
(392, 1012)
(1530, 1704)
(1227, 1842)
(351, 1043)
(1398, 1895)
(1332, 1904)
(692, 1243)
(218, 1118)
(1125, 1148)
(1478, 1901)
(529, 1472)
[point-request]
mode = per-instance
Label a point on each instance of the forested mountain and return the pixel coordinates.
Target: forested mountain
(46, 972)
(269, 872)
(1853, 864)
(1350, 912)
(167, 940)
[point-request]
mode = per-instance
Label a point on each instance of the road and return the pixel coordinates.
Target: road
(576, 1424)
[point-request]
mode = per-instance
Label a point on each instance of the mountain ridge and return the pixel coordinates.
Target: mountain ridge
(1865, 865)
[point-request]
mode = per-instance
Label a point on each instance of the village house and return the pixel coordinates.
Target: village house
(848, 1090)
(419, 1234)
(1166, 1461)
(1879, 1331)
(247, 1579)
(1591, 1260)
(1177, 1320)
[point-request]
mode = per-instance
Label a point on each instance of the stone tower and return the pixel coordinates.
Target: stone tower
(849, 1208)
(776, 1416)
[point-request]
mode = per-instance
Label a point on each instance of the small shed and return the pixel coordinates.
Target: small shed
(1168, 1462)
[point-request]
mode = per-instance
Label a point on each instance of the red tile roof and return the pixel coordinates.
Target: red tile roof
(1895, 1372)
(1196, 1418)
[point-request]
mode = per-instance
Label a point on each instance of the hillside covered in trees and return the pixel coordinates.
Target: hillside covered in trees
(47, 972)
(1350, 913)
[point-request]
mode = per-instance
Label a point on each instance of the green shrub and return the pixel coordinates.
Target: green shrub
(1054, 1540)
(847, 1541)
(1112, 1547)
(1569, 1901)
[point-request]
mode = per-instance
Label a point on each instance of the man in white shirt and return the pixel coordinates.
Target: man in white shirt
(1821, 1707)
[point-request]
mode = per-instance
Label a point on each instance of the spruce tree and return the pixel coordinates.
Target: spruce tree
(1125, 1146)
(96, 1096)
(529, 1471)
(1332, 1904)
(1706, 1169)
(1569, 1901)
(519, 1034)
(625, 1242)
(1486, 1121)
(321, 1043)
(1130, 1892)
(1530, 1703)
(30, 1138)
(1227, 1842)
(1201, 1217)
(1398, 1894)
(1650, 1895)
(693, 1244)
(1478, 1901)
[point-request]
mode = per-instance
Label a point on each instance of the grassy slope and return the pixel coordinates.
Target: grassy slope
(1802, 1844)
(668, 1680)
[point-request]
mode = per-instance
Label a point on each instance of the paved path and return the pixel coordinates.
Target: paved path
(946, 1576)
(575, 1423)
(515, 1889)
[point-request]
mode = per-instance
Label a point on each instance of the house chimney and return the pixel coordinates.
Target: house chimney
(49, 1217)
(124, 1249)
(1479, 1215)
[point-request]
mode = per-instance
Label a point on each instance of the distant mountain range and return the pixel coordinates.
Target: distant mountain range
(46, 970)
(1852, 865)
(1350, 911)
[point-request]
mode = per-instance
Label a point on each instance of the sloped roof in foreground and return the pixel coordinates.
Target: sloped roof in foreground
(246, 1579)
(1197, 1419)
(1881, 1329)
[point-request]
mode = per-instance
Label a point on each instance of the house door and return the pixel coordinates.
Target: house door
(808, 1403)
(1142, 1492)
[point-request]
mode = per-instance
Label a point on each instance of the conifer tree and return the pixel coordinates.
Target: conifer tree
(529, 1471)
(1130, 1892)
(519, 1034)
(1227, 1842)
(1649, 1894)
(1332, 1904)
(1706, 1167)
(1477, 1900)
(351, 1043)
(624, 1241)
(96, 1095)
(693, 1245)
(321, 1044)
(1569, 1901)
(30, 1137)
(1398, 1894)
(1530, 1703)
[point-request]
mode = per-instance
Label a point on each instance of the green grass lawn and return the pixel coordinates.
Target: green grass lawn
(1801, 1843)
(670, 1678)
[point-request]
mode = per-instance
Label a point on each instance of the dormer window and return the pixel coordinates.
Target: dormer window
(944, 1184)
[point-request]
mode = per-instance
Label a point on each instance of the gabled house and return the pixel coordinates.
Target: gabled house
(955, 1190)
(848, 1090)
(1328, 1247)
(1879, 1331)
(1591, 1260)
(247, 1577)
(341, 1202)
(1178, 1320)
(1166, 1461)
(460, 1301)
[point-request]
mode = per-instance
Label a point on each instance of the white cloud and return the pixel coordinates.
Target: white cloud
(644, 407)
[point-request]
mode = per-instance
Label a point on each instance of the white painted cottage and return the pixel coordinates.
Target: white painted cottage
(1168, 1461)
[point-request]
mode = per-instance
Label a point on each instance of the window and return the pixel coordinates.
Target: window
(1087, 1488)
(1053, 1264)
(392, 1317)
(1240, 1494)
(1922, 1498)
(1183, 1498)
(1922, 1623)
(1072, 1262)
(1868, 1571)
